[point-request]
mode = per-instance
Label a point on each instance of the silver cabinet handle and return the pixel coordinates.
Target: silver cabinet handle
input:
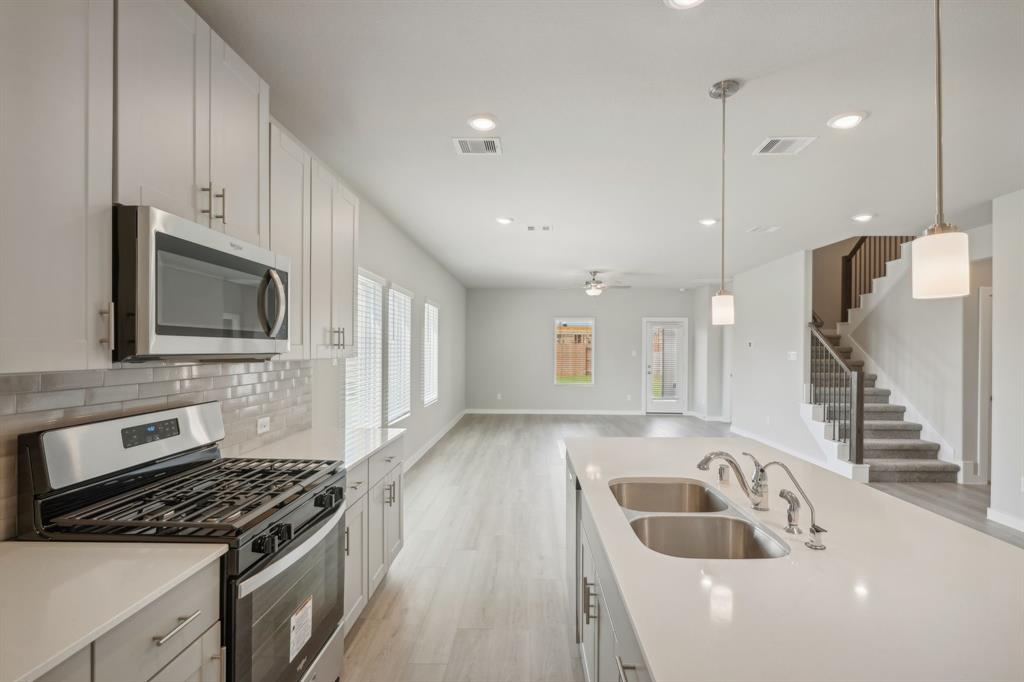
(282, 303)
(109, 314)
(390, 487)
(587, 594)
(343, 344)
(346, 540)
(182, 624)
(339, 334)
(623, 668)
(389, 459)
(209, 190)
(223, 196)
(355, 485)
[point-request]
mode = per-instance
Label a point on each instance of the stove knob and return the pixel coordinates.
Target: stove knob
(338, 492)
(265, 544)
(283, 532)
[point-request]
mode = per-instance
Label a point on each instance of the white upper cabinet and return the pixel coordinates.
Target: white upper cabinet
(239, 115)
(163, 108)
(191, 121)
(56, 118)
(334, 235)
(289, 229)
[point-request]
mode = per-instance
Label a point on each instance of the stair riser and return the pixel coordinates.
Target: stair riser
(911, 476)
(880, 416)
(910, 434)
(821, 379)
(898, 453)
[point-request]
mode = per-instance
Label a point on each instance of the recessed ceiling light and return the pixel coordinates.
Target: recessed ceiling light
(505, 221)
(683, 4)
(848, 120)
(483, 123)
(708, 222)
(863, 217)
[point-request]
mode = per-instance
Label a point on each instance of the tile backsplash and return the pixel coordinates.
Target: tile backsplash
(281, 390)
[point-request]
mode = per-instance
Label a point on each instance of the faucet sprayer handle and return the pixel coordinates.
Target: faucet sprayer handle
(757, 465)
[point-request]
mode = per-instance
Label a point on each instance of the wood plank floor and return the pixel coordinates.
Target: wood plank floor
(478, 592)
(966, 504)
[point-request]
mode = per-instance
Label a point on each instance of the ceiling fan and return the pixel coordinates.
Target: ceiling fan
(594, 286)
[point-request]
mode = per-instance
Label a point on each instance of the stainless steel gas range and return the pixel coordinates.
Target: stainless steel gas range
(160, 477)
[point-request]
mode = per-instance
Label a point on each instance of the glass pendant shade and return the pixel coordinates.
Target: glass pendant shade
(941, 266)
(723, 310)
(594, 291)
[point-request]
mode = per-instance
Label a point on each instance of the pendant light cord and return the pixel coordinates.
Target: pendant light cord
(940, 218)
(722, 210)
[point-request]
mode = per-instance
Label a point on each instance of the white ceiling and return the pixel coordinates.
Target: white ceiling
(609, 134)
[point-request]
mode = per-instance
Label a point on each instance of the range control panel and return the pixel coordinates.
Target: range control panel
(147, 433)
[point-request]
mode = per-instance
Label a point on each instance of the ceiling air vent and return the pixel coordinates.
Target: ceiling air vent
(783, 146)
(477, 146)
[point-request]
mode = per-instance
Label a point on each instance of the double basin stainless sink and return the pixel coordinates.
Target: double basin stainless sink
(684, 518)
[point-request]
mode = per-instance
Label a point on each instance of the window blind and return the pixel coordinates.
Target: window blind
(430, 353)
(364, 381)
(574, 351)
(664, 369)
(399, 354)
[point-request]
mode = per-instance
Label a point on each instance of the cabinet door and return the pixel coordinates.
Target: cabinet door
(607, 670)
(343, 266)
(590, 612)
(56, 125)
(214, 656)
(289, 229)
(163, 107)
(356, 583)
(77, 668)
(239, 158)
(201, 661)
(376, 552)
(393, 521)
(321, 338)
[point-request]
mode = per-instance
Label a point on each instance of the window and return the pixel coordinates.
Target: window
(430, 353)
(399, 353)
(574, 351)
(364, 381)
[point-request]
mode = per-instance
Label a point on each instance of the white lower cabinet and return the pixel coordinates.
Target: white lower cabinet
(356, 582)
(374, 527)
(609, 649)
(199, 662)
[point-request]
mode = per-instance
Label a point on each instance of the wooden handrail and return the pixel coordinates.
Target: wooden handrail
(866, 261)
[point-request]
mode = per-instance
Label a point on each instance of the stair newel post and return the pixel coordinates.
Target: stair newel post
(857, 418)
(847, 288)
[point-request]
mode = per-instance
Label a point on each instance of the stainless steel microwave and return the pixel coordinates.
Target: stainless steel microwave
(182, 290)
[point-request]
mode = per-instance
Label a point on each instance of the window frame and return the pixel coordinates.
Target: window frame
(388, 340)
(436, 360)
(592, 321)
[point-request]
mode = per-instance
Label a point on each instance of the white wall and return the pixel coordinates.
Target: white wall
(708, 358)
(511, 352)
(772, 312)
(387, 251)
(1007, 503)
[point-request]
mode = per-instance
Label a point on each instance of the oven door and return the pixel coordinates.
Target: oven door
(200, 292)
(286, 612)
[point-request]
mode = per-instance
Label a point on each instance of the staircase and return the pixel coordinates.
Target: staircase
(892, 448)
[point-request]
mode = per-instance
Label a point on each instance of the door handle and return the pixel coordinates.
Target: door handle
(282, 303)
(261, 303)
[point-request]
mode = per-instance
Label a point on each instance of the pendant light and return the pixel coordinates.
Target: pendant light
(940, 262)
(723, 308)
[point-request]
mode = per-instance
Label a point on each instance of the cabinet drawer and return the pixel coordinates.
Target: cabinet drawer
(131, 650)
(384, 461)
(357, 480)
(199, 662)
(78, 668)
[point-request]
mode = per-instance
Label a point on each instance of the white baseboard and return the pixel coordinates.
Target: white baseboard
(416, 456)
(1005, 519)
(479, 410)
(855, 472)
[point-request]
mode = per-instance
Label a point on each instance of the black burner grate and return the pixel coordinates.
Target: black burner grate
(218, 499)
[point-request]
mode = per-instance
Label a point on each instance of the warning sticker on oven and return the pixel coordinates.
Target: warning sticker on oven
(302, 627)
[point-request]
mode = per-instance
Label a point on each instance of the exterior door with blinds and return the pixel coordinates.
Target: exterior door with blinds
(665, 384)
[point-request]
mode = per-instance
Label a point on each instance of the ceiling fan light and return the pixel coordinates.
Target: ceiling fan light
(940, 265)
(723, 309)
(594, 291)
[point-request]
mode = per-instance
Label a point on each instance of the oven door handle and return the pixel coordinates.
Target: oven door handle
(251, 584)
(282, 303)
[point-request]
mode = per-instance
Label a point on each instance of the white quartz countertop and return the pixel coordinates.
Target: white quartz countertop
(57, 597)
(329, 444)
(900, 593)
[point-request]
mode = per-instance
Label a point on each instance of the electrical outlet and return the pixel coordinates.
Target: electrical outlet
(792, 355)
(499, 396)
(262, 425)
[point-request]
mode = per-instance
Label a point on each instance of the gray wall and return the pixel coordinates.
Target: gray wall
(709, 366)
(772, 312)
(1007, 505)
(827, 289)
(387, 251)
(510, 348)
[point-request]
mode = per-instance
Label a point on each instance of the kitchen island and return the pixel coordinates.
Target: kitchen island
(899, 593)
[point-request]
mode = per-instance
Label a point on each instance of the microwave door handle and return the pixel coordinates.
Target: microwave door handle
(282, 303)
(261, 303)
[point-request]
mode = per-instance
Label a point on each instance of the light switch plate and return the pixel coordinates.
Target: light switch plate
(262, 425)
